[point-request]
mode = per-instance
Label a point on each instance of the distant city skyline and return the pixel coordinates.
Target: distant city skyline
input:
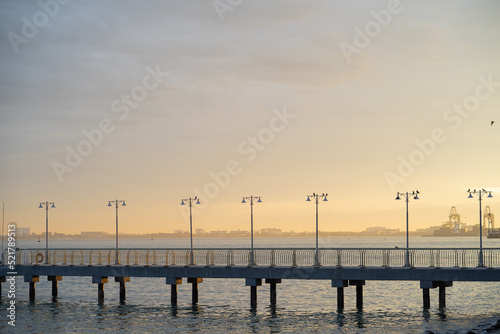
(156, 102)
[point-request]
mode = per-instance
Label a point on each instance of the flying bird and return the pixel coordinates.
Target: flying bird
(492, 123)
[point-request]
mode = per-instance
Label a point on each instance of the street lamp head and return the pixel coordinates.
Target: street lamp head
(40, 206)
(124, 204)
(182, 202)
(243, 201)
(308, 199)
(53, 206)
(415, 197)
(109, 204)
(489, 195)
(198, 201)
(470, 195)
(397, 197)
(325, 199)
(260, 201)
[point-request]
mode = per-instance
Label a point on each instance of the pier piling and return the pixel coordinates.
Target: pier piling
(359, 292)
(426, 297)
(32, 280)
(100, 281)
(123, 291)
(173, 281)
(54, 280)
(340, 285)
(253, 283)
(442, 285)
(272, 284)
(194, 281)
(442, 296)
(442, 293)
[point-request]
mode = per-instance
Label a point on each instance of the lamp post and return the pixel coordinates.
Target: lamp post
(251, 199)
(406, 195)
(52, 206)
(116, 202)
(480, 194)
(317, 197)
(190, 202)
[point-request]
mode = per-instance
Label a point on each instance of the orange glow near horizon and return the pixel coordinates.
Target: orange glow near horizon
(278, 106)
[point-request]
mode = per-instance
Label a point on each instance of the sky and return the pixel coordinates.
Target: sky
(153, 102)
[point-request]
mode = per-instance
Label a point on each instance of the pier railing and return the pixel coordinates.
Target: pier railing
(269, 257)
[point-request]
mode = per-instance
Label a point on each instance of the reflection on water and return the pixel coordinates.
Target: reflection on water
(442, 314)
(360, 322)
(174, 311)
(340, 318)
(426, 315)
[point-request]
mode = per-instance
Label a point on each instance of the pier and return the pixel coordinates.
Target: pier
(435, 268)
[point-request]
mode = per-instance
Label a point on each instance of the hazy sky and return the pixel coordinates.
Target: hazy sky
(155, 101)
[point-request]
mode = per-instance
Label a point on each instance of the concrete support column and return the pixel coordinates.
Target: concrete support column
(442, 285)
(123, 291)
(173, 281)
(32, 291)
(425, 286)
(173, 294)
(340, 298)
(54, 280)
(32, 280)
(100, 281)
(194, 281)
(340, 285)
(442, 296)
(442, 292)
(272, 286)
(253, 296)
(426, 297)
(253, 283)
(359, 292)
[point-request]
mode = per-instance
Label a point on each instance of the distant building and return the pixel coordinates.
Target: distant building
(22, 231)
(199, 231)
(218, 233)
(238, 233)
(94, 234)
(271, 231)
(380, 230)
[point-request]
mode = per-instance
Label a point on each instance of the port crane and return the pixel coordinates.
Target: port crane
(454, 222)
(488, 218)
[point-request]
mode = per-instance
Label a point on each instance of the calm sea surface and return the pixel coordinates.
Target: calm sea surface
(224, 304)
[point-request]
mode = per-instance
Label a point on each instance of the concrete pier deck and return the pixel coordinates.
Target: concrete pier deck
(433, 268)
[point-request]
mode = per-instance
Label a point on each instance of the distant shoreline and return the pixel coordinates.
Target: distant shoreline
(184, 236)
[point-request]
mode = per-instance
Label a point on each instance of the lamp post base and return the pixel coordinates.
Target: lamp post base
(480, 260)
(316, 259)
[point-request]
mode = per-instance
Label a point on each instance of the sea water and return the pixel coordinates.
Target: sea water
(306, 306)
